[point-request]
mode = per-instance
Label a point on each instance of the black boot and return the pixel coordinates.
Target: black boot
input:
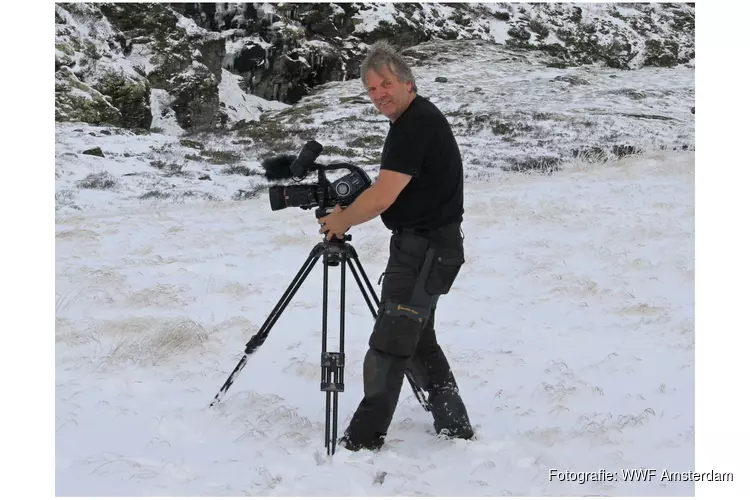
(373, 443)
(449, 413)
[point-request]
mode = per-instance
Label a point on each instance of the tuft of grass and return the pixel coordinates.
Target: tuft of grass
(248, 194)
(100, 180)
(366, 141)
(542, 164)
(336, 150)
(237, 170)
(188, 143)
(171, 339)
(154, 194)
(218, 157)
(65, 198)
(170, 169)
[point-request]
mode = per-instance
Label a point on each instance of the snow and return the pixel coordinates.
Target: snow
(370, 18)
(239, 104)
(570, 331)
(191, 28)
(163, 116)
(498, 30)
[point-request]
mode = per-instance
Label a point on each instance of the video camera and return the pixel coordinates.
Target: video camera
(325, 194)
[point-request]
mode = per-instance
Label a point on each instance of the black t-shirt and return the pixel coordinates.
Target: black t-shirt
(420, 143)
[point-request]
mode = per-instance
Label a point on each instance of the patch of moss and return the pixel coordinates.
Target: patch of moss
(519, 32)
(76, 101)
(100, 180)
(683, 21)
(218, 157)
(148, 17)
(540, 29)
(336, 150)
(632, 93)
(299, 111)
(188, 143)
(366, 141)
(662, 54)
(507, 128)
(132, 98)
(353, 99)
(65, 49)
(237, 170)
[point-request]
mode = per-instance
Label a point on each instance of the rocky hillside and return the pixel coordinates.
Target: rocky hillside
(510, 111)
(136, 65)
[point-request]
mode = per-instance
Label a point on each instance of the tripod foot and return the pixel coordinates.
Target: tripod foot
(332, 383)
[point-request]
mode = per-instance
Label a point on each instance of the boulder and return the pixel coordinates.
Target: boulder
(196, 98)
(97, 151)
(76, 101)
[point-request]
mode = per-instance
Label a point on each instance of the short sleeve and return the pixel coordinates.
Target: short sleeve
(406, 149)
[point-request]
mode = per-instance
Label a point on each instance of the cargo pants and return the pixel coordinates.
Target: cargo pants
(421, 268)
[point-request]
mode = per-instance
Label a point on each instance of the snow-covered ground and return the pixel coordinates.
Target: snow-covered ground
(570, 330)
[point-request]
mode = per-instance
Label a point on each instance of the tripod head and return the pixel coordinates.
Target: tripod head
(335, 240)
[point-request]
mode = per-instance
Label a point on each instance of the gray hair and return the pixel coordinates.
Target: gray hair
(381, 54)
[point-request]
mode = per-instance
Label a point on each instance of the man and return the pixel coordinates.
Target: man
(419, 196)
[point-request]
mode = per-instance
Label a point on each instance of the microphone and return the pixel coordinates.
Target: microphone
(305, 159)
(288, 166)
(278, 167)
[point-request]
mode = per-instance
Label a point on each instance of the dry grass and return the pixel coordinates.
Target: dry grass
(148, 341)
(77, 234)
(162, 296)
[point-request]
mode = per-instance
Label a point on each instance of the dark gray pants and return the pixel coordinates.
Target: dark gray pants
(420, 269)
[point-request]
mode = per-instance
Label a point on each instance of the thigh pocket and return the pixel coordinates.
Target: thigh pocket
(445, 268)
(397, 329)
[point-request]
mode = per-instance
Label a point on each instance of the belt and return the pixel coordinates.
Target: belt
(425, 232)
(413, 230)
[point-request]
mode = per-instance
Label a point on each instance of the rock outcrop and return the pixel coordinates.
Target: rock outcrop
(110, 57)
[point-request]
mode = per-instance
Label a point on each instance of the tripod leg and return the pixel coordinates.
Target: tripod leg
(339, 373)
(418, 392)
(257, 340)
(332, 366)
(325, 368)
(283, 302)
(370, 288)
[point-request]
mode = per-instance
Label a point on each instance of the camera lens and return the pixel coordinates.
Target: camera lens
(276, 197)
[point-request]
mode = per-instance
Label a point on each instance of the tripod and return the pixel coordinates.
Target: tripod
(334, 252)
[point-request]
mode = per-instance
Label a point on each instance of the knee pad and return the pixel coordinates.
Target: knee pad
(375, 373)
(383, 373)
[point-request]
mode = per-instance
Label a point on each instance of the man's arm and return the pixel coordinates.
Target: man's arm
(376, 199)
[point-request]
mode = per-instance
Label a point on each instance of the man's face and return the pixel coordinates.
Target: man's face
(389, 95)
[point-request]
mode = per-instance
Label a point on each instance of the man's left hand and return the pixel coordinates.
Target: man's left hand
(333, 224)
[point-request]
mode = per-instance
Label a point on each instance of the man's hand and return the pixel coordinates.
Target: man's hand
(333, 224)
(373, 202)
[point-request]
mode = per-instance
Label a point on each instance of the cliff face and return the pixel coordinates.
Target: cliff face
(113, 60)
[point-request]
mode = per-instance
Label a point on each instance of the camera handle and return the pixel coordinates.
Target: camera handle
(332, 363)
